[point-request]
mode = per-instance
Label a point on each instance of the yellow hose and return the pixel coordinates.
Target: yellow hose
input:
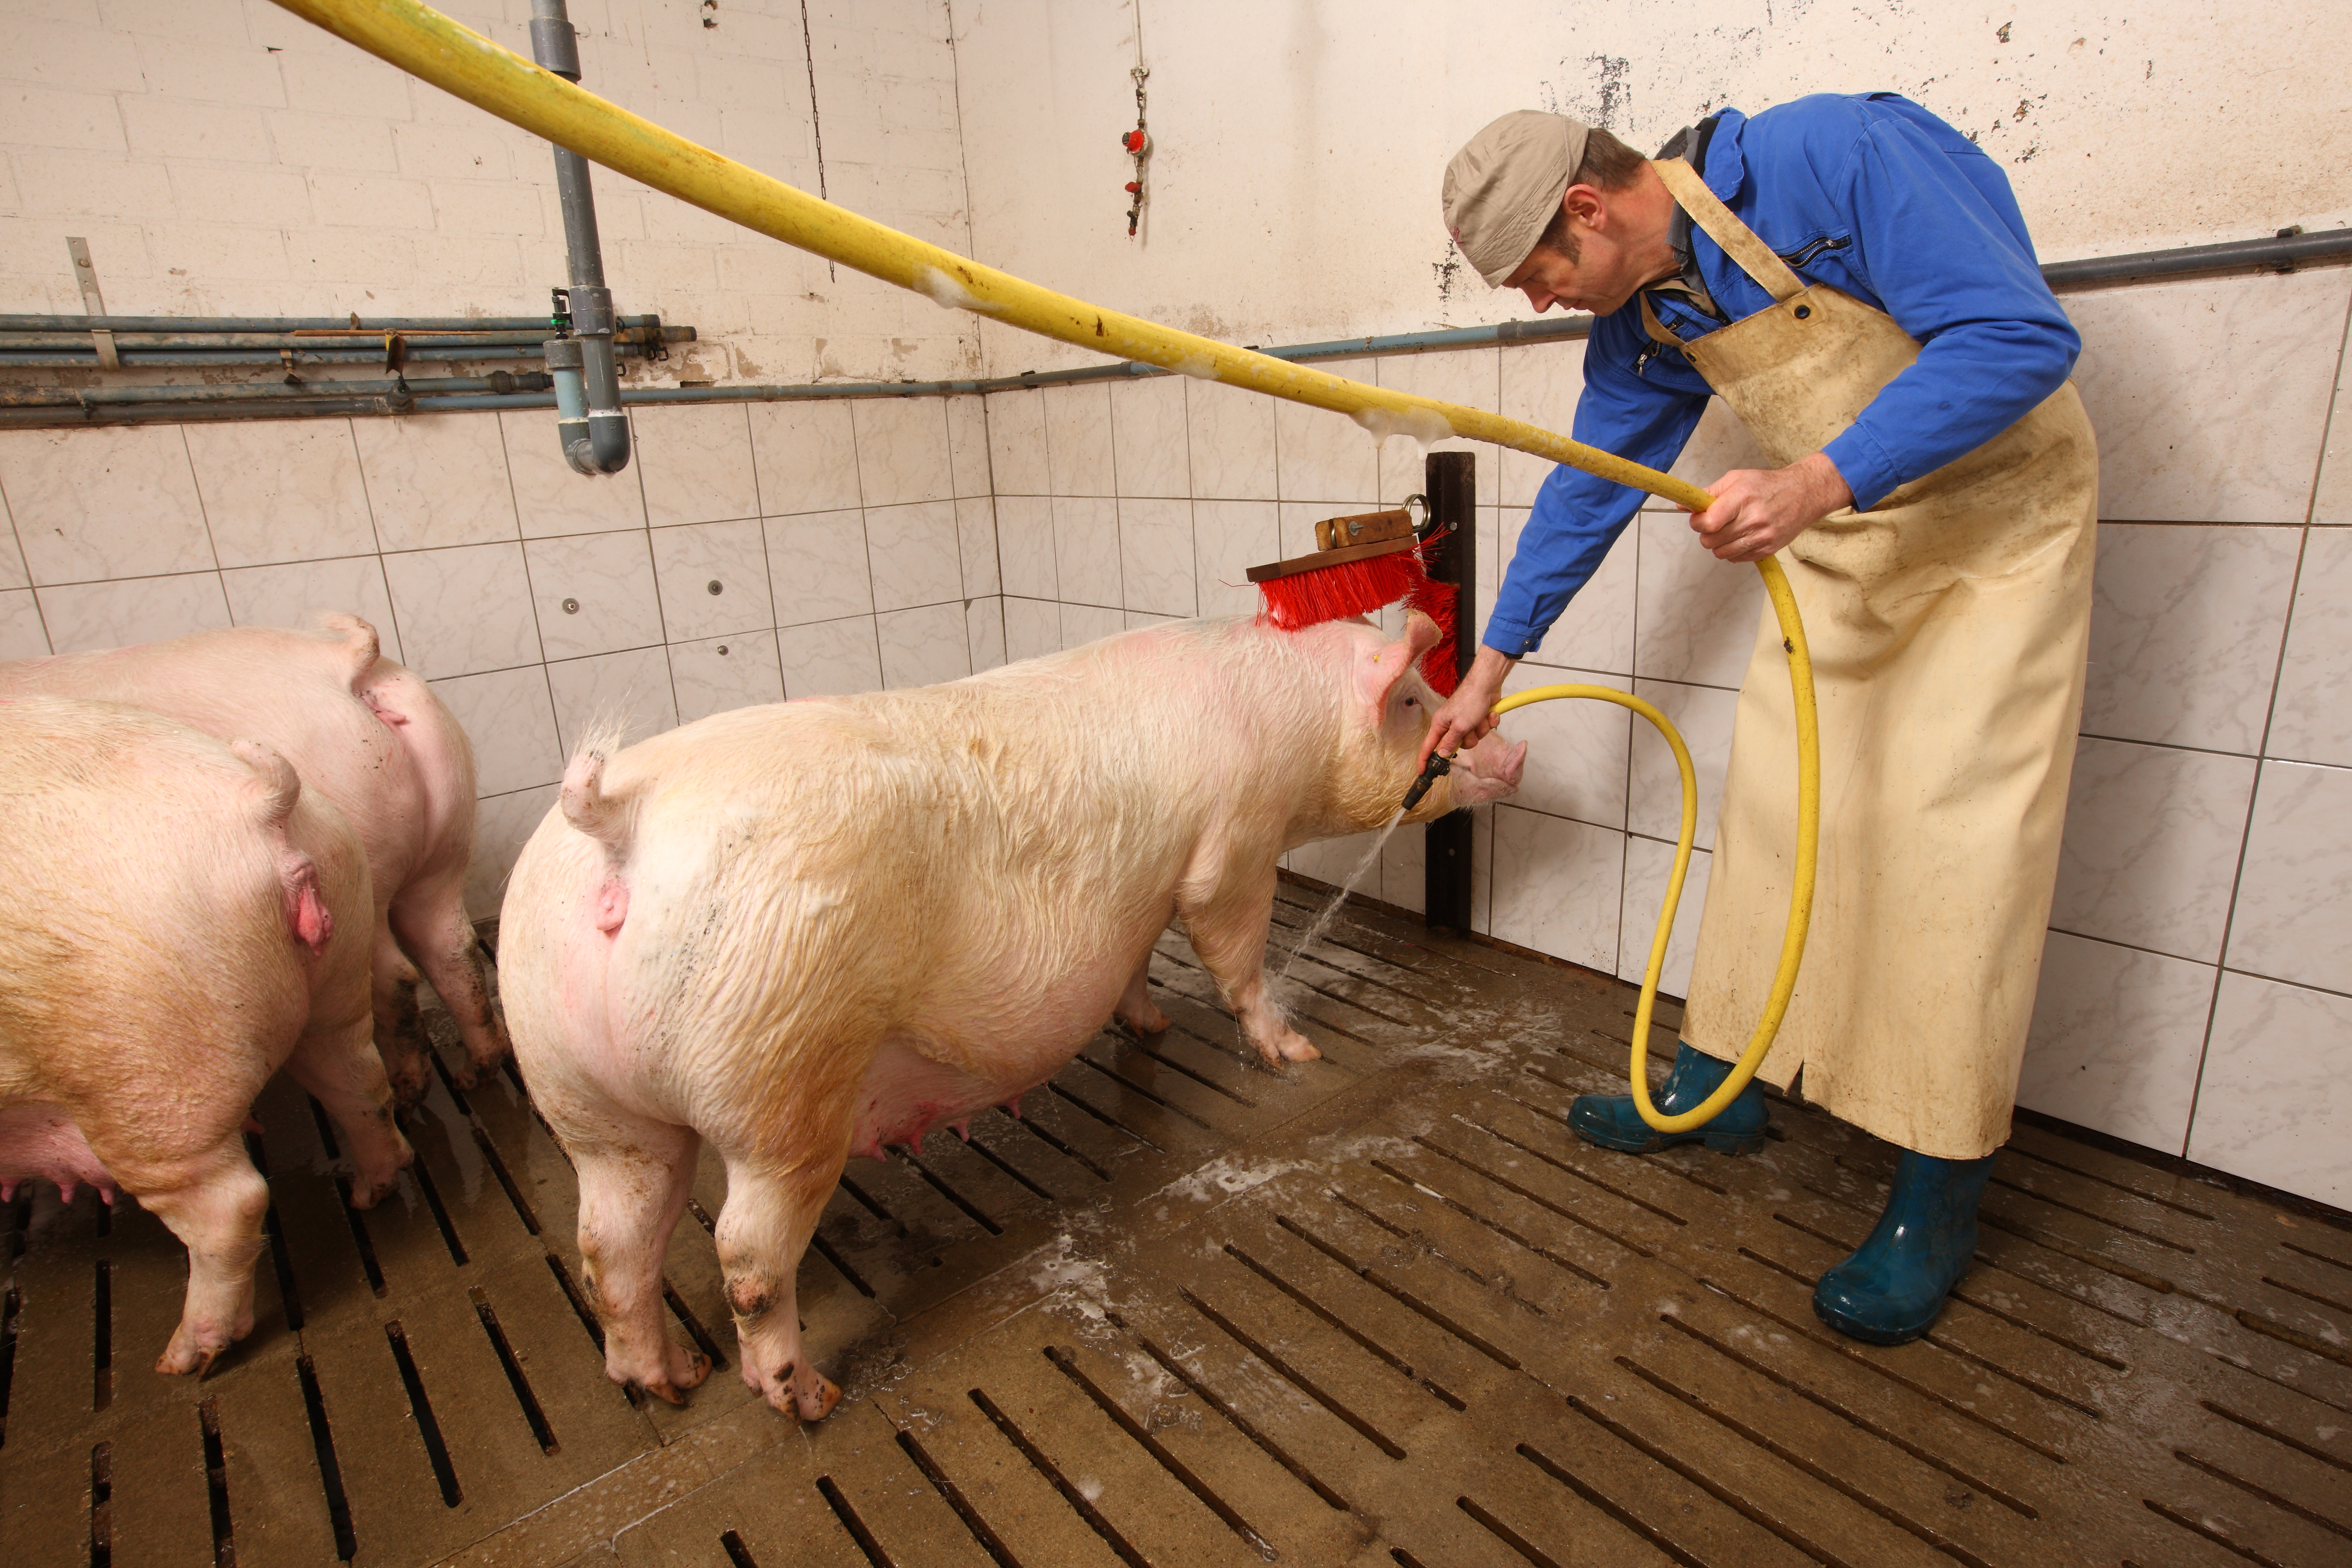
(429, 46)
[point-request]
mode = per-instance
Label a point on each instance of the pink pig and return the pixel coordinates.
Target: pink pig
(370, 736)
(182, 917)
(815, 929)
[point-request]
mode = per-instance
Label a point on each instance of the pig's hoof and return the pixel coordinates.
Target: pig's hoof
(812, 1404)
(1288, 1045)
(370, 1188)
(683, 1371)
(473, 1074)
(1149, 1020)
(189, 1353)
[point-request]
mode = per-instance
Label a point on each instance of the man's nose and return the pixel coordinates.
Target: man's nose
(1539, 297)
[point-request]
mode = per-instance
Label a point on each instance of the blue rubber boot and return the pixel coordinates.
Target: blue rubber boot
(1611, 1121)
(1890, 1290)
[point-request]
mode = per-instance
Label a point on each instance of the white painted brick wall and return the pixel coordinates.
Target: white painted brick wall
(225, 157)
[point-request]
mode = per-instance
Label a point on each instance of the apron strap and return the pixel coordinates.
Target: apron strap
(1738, 241)
(1660, 333)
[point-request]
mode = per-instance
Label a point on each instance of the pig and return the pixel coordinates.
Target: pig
(822, 927)
(368, 735)
(182, 918)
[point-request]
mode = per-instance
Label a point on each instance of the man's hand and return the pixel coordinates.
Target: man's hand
(1469, 714)
(1758, 510)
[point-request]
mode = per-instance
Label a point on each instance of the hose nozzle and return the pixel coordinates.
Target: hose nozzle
(1436, 768)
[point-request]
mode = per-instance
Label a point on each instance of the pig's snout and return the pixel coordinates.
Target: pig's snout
(1487, 771)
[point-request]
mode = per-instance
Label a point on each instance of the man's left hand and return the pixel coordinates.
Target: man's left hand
(1758, 510)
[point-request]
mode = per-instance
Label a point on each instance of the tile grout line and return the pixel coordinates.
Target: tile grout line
(2270, 715)
(204, 516)
(644, 511)
(864, 533)
(367, 499)
(531, 597)
(767, 565)
(39, 614)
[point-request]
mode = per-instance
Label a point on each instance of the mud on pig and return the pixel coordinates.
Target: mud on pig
(182, 918)
(811, 929)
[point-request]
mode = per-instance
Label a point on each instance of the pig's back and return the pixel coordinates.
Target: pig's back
(294, 690)
(145, 901)
(961, 863)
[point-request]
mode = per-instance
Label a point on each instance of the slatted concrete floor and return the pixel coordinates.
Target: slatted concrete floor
(1382, 1310)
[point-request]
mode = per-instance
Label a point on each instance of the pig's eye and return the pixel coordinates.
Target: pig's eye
(1412, 701)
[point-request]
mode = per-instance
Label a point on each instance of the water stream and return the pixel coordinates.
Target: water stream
(1323, 920)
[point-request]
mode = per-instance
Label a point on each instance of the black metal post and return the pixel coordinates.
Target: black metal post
(1451, 483)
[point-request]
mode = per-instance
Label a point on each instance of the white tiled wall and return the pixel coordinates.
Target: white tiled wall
(225, 157)
(2197, 990)
(751, 553)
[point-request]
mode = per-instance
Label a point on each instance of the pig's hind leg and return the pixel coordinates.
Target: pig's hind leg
(770, 1213)
(399, 1026)
(340, 1067)
(1228, 930)
(634, 1182)
(214, 1206)
(429, 916)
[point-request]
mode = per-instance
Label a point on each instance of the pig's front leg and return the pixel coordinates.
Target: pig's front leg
(1134, 1008)
(1228, 931)
(770, 1213)
(633, 1187)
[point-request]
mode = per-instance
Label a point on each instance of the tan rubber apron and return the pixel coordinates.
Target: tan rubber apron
(1948, 627)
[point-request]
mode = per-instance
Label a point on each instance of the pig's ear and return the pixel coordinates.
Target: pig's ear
(1378, 669)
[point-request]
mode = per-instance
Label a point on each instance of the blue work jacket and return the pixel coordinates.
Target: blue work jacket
(1877, 198)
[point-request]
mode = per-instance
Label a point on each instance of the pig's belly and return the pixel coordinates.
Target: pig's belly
(40, 1143)
(907, 1094)
(1012, 1032)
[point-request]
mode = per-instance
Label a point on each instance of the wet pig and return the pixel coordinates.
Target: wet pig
(816, 928)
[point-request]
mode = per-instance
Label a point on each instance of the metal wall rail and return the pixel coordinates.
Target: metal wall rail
(2284, 253)
(376, 327)
(289, 359)
(10, 339)
(397, 389)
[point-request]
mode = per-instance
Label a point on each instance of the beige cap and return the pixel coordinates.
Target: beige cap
(1505, 184)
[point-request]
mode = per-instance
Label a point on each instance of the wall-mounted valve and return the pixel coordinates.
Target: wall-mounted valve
(593, 431)
(1137, 144)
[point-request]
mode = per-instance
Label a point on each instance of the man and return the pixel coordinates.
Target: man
(1854, 280)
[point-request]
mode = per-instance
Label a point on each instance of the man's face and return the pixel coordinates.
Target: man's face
(1607, 271)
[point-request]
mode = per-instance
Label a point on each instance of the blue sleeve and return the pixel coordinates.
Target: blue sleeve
(1578, 517)
(1943, 245)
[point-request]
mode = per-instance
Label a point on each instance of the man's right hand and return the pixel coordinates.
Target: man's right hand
(1469, 714)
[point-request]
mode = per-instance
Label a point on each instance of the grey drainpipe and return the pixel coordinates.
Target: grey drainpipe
(589, 422)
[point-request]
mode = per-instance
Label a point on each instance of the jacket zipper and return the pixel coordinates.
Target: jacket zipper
(1799, 258)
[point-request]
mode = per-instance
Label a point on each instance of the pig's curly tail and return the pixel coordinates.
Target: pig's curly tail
(586, 806)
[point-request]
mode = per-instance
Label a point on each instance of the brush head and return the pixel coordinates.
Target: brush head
(1308, 596)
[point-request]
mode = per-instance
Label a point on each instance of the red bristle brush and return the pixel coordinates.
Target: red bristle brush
(1365, 564)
